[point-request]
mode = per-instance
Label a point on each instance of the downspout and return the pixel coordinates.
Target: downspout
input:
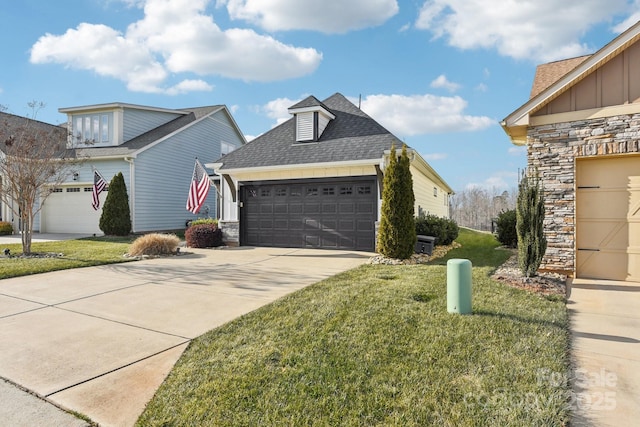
(132, 192)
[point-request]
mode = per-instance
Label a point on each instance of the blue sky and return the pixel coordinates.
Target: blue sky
(439, 74)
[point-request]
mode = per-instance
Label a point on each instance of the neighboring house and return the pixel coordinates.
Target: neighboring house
(316, 180)
(581, 127)
(154, 148)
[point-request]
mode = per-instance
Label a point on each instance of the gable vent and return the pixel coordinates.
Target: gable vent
(305, 126)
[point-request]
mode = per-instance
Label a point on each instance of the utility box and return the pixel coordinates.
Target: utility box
(424, 244)
(459, 286)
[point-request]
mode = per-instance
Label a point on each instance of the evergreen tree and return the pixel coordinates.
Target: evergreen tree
(116, 217)
(397, 232)
(529, 224)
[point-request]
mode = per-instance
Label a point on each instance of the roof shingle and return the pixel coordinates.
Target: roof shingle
(352, 135)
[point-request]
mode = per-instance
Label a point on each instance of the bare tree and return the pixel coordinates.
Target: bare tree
(33, 160)
(476, 207)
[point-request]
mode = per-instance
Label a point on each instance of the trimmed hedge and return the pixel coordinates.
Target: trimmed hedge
(206, 235)
(5, 228)
(443, 229)
(506, 228)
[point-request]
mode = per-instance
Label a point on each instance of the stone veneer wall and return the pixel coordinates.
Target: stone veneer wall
(230, 232)
(552, 149)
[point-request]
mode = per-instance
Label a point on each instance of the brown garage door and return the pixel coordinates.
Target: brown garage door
(608, 218)
(329, 214)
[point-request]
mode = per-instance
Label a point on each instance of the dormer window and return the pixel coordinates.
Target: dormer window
(91, 129)
(312, 118)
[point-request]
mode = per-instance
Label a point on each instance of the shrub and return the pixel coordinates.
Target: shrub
(154, 244)
(5, 228)
(445, 230)
(397, 233)
(530, 224)
(203, 236)
(506, 228)
(204, 221)
(116, 216)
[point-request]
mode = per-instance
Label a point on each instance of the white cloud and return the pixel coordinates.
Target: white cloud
(481, 87)
(499, 180)
(423, 114)
(174, 37)
(278, 109)
(542, 30)
(442, 82)
(328, 16)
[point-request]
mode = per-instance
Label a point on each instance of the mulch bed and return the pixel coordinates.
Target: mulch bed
(542, 284)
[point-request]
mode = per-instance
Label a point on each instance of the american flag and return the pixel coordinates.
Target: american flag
(99, 184)
(198, 189)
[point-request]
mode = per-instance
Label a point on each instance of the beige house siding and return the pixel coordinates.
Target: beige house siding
(552, 150)
(304, 173)
(426, 201)
(614, 83)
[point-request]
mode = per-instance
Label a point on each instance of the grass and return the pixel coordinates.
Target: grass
(75, 254)
(376, 346)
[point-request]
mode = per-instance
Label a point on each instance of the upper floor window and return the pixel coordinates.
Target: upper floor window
(226, 148)
(91, 129)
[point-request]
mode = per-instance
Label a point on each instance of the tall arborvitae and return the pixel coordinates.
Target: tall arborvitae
(397, 233)
(530, 224)
(116, 217)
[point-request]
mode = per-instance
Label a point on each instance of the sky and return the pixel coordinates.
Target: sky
(438, 74)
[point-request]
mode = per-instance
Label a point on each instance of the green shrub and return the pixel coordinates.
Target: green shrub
(203, 236)
(506, 228)
(5, 228)
(116, 216)
(443, 229)
(532, 243)
(204, 221)
(154, 244)
(397, 233)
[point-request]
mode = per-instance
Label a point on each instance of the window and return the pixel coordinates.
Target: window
(265, 192)
(312, 191)
(91, 129)
(345, 191)
(56, 190)
(73, 190)
(226, 148)
(281, 192)
(295, 192)
(364, 190)
(328, 191)
(435, 191)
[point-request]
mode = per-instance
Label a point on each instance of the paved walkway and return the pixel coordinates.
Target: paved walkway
(605, 340)
(100, 340)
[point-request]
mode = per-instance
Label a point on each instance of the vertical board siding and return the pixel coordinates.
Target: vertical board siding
(163, 173)
(136, 122)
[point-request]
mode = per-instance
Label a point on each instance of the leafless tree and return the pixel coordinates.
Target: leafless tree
(477, 207)
(33, 160)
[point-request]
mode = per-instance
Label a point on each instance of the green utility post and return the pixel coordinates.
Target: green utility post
(459, 286)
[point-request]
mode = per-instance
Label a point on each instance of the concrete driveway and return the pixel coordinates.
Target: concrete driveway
(101, 340)
(605, 341)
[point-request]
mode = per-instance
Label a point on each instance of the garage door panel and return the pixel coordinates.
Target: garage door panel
(603, 204)
(596, 234)
(319, 214)
(69, 210)
(607, 218)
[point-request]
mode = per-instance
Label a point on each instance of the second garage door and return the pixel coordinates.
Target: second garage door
(69, 210)
(329, 214)
(608, 218)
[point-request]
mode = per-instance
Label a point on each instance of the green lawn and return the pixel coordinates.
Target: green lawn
(75, 253)
(376, 346)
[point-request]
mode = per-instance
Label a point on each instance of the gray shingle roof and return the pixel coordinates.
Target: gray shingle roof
(10, 124)
(352, 135)
(309, 101)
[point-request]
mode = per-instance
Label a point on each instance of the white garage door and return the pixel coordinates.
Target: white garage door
(608, 218)
(69, 210)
